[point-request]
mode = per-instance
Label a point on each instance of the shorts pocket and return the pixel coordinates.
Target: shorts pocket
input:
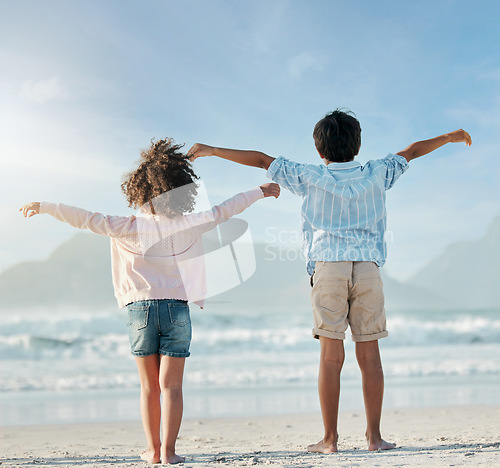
(179, 314)
(370, 294)
(138, 316)
(333, 295)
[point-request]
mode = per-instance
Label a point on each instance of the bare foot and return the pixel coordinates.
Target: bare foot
(321, 447)
(172, 460)
(381, 444)
(151, 456)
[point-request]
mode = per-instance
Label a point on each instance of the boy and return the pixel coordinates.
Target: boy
(343, 227)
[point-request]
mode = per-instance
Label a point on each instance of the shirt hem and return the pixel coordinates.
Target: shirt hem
(311, 264)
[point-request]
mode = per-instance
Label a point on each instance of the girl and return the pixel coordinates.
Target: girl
(147, 251)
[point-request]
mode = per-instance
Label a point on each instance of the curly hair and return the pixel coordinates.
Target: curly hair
(162, 168)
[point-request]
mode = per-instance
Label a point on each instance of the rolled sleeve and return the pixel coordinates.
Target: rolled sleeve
(288, 174)
(274, 167)
(395, 165)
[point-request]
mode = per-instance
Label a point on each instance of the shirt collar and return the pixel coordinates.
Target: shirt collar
(343, 165)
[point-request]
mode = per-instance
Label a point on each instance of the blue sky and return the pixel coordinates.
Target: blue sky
(84, 86)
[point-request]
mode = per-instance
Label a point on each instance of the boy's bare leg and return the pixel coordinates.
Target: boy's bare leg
(368, 356)
(171, 373)
(331, 361)
(149, 368)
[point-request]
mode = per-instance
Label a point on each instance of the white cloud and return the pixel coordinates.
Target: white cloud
(303, 62)
(43, 90)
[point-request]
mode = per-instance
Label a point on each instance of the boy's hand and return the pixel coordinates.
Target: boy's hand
(270, 190)
(419, 148)
(32, 208)
(199, 150)
(459, 136)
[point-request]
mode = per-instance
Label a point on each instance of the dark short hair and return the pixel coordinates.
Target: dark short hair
(337, 136)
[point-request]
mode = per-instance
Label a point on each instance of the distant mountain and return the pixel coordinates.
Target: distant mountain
(467, 274)
(404, 296)
(78, 273)
(281, 281)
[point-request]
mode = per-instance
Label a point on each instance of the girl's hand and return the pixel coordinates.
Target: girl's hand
(459, 136)
(270, 190)
(199, 150)
(30, 209)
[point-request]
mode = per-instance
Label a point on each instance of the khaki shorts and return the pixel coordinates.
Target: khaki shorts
(348, 293)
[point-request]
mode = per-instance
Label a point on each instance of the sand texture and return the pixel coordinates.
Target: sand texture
(446, 436)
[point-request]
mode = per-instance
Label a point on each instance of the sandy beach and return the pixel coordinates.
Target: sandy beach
(445, 436)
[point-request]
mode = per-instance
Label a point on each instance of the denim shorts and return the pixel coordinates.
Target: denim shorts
(159, 326)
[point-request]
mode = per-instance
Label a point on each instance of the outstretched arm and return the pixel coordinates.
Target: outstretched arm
(419, 148)
(247, 158)
(206, 220)
(111, 226)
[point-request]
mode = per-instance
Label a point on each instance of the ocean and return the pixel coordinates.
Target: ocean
(64, 366)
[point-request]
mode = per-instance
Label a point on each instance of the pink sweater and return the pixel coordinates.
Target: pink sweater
(152, 256)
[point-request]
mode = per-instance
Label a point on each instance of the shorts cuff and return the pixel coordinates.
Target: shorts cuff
(317, 332)
(142, 353)
(373, 337)
(182, 355)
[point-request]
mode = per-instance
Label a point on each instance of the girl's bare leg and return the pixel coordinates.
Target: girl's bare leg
(171, 373)
(149, 370)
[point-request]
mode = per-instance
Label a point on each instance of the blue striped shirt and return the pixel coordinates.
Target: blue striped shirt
(343, 208)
